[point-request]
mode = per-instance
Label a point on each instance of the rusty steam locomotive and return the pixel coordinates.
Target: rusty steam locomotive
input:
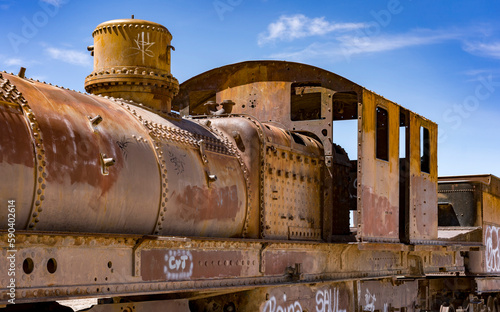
(229, 192)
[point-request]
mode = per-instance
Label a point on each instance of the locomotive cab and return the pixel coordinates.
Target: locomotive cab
(385, 187)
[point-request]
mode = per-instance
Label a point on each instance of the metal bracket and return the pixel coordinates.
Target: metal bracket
(329, 161)
(211, 177)
(106, 162)
(94, 121)
(136, 255)
(201, 145)
(295, 272)
(262, 264)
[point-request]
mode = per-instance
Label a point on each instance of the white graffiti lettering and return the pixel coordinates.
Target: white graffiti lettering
(178, 264)
(492, 252)
(271, 305)
(326, 303)
(369, 301)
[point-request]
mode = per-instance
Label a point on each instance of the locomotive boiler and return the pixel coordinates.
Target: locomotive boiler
(230, 192)
(127, 164)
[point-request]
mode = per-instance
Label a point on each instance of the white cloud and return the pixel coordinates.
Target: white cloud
(70, 56)
(292, 27)
(13, 62)
(351, 39)
(357, 45)
(354, 44)
(483, 49)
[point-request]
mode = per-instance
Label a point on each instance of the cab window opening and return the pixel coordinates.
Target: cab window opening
(382, 134)
(425, 150)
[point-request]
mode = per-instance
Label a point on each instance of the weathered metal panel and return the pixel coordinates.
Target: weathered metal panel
(204, 182)
(260, 99)
(378, 188)
(180, 305)
(276, 261)
(17, 158)
(423, 185)
(73, 181)
(185, 265)
(319, 297)
(292, 194)
(50, 266)
(200, 207)
(460, 204)
(487, 284)
(334, 297)
(247, 135)
(491, 207)
(487, 261)
(387, 295)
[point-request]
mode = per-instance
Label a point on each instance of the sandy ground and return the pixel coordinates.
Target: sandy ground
(79, 304)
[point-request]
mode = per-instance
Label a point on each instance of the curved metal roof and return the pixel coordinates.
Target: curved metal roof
(254, 71)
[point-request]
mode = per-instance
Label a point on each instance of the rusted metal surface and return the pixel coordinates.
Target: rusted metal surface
(263, 89)
(423, 185)
(132, 61)
(487, 261)
(378, 188)
(164, 305)
(17, 158)
(174, 264)
(378, 295)
(384, 182)
(71, 151)
(388, 295)
(488, 285)
(458, 204)
(292, 184)
(75, 191)
(475, 201)
(246, 195)
(393, 202)
(248, 137)
(179, 265)
(475, 198)
(322, 297)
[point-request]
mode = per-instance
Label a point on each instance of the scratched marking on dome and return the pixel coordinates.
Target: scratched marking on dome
(143, 46)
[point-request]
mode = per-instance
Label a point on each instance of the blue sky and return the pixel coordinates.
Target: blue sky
(440, 59)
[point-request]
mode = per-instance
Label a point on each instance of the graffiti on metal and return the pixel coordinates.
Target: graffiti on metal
(273, 306)
(178, 264)
(325, 302)
(178, 161)
(369, 301)
(492, 252)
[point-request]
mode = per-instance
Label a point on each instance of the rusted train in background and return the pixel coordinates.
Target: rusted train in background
(229, 192)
